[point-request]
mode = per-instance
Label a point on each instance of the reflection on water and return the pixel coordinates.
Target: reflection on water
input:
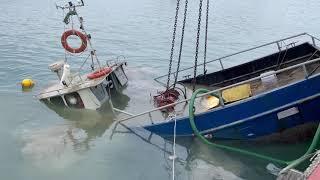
(54, 147)
(195, 160)
(62, 144)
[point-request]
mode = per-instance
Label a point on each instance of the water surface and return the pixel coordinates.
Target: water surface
(40, 143)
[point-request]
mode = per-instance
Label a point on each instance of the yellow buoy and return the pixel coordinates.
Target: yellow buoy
(27, 83)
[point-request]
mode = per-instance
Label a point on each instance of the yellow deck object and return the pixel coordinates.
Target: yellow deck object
(210, 102)
(236, 93)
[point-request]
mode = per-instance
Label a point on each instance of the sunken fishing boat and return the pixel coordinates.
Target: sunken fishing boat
(80, 88)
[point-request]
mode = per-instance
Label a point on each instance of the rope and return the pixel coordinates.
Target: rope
(83, 63)
(72, 23)
(173, 117)
(181, 42)
(197, 47)
(173, 42)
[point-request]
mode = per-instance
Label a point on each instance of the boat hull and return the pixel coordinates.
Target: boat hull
(261, 115)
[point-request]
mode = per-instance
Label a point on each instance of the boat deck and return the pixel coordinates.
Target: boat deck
(77, 82)
(283, 79)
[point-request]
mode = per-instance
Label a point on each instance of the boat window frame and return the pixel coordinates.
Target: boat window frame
(57, 104)
(101, 89)
(77, 106)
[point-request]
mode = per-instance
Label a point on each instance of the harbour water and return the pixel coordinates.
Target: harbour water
(41, 143)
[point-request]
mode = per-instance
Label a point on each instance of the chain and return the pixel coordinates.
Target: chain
(206, 41)
(173, 42)
(197, 47)
(181, 41)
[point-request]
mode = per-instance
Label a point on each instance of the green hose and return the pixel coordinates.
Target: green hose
(315, 141)
(312, 147)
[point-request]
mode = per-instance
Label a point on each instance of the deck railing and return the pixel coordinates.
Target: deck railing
(219, 91)
(278, 44)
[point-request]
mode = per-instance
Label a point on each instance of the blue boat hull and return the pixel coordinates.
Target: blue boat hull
(261, 115)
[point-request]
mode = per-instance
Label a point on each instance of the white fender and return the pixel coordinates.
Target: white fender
(65, 74)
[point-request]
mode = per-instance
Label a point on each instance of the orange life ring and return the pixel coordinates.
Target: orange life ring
(65, 44)
(99, 73)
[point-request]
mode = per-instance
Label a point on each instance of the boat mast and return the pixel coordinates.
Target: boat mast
(68, 17)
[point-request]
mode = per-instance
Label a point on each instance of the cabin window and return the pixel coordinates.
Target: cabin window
(57, 100)
(74, 100)
(99, 92)
(121, 76)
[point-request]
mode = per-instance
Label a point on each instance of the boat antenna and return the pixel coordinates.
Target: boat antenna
(70, 5)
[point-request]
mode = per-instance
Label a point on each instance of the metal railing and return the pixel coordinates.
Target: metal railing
(219, 91)
(278, 44)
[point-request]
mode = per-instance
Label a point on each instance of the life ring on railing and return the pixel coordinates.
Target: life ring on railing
(99, 73)
(71, 32)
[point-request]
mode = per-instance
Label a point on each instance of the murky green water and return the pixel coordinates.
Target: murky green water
(39, 143)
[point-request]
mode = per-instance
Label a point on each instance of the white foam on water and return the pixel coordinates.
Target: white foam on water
(203, 170)
(141, 81)
(52, 147)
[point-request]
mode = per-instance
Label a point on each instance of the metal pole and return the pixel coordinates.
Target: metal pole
(221, 98)
(150, 117)
(306, 74)
(313, 41)
(279, 47)
(221, 64)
